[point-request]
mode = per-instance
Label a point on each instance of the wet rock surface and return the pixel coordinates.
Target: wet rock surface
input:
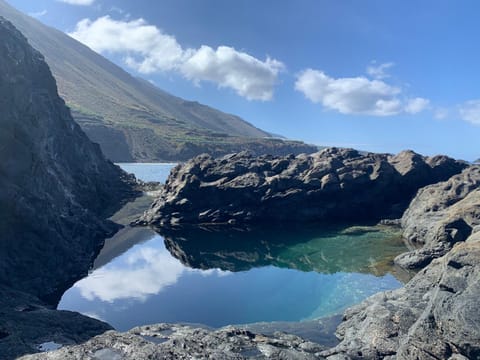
(339, 185)
(165, 341)
(441, 215)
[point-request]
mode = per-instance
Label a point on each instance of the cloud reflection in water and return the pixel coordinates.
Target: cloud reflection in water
(141, 272)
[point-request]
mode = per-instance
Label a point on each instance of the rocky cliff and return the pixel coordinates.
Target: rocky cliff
(56, 188)
(333, 184)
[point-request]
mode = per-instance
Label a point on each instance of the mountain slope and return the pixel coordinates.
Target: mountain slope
(132, 119)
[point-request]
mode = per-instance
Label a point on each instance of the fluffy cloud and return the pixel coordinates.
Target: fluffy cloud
(356, 95)
(148, 50)
(145, 47)
(78, 2)
(250, 77)
(379, 71)
(470, 111)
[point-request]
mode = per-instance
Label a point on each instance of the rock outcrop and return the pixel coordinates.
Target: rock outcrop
(165, 341)
(435, 316)
(441, 215)
(56, 187)
(340, 185)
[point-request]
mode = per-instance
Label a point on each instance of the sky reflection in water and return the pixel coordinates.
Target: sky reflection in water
(147, 284)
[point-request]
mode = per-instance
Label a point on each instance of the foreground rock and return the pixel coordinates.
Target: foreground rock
(28, 325)
(56, 188)
(435, 316)
(334, 184)
(164, 341)
(441, 215)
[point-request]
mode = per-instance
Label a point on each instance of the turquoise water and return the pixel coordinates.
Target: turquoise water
(219, 278)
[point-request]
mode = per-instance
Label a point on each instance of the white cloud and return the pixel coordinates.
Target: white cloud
(356, 95)
(145, 47)
(470, 111)
(38, 14)
(250, 77)
(379, 71)
(78, 2)
(148, 50)
(416, 105)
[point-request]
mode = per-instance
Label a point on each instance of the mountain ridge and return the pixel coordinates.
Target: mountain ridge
(131, 119)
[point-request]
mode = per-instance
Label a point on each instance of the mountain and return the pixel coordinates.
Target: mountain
(56, 187)
(130, 118)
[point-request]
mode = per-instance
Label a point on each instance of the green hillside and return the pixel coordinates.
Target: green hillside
(130, 118)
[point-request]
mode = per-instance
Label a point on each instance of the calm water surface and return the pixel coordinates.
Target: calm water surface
(239, 277)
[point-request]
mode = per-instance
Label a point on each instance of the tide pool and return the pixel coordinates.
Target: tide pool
(237, 277)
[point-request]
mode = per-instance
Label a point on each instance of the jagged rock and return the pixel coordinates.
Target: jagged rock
(441, 215)
(165, 341)
(56, 188)
(333, 184)
(435, 316)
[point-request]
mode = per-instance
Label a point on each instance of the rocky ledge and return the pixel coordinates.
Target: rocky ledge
(441, 215)
(166, 341)
(340, 185)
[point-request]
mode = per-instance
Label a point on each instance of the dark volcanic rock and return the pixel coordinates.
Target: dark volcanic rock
(165, 341)
(26, 323)
(441, 215)
(333, 184)
(56, 188)
(435, 316)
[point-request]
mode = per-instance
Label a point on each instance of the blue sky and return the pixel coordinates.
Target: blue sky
(376, 75)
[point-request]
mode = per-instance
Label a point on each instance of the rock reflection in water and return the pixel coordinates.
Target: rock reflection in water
(357, 249)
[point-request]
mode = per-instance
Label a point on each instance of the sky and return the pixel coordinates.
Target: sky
(375, 75)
